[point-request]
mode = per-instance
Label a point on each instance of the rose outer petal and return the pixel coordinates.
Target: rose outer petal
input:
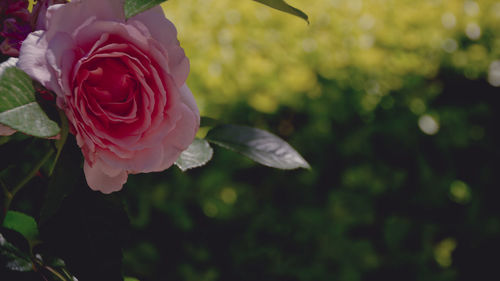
(188, 99)
(103, 178)
(33, 60)
(78, 11)
(167, 35)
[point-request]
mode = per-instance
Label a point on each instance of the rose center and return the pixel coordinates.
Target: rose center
(111, 79)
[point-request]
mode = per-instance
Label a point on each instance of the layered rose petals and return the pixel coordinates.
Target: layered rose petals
(121, 84)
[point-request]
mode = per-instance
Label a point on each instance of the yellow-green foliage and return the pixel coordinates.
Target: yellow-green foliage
(241, 50)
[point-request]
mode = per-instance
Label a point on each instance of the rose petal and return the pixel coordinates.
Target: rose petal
(68, 17)
(60, 58)
(179, 138)
(32, 59)
(103, 178)
(188, 99)
(178, 63)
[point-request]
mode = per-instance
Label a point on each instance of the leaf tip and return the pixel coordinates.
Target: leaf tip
(306, 165)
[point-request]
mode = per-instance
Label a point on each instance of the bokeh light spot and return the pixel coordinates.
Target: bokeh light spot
(210, 209)
(309, 45)
(471, 8)
(448, 20)
(494, 73)
(450, 45)
(228, 195)
(459, 192)
(233, 17)
(428, 124)
(417, 106)
(366, 21)
(473, 31)
(443, 251)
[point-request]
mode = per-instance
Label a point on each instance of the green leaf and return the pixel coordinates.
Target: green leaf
(130, 279)
(259, 145)
(30, 119)
(196, 155)
(18, 107)
(134, 7)
(284, 7)
(13, 258)
(21, 223)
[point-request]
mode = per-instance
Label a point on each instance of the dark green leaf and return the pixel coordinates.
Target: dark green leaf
(18, 107)
(13, 258)
(21, 223)
(134, 7)
(284, 7)
(259, 145)
(130, 279)
(196, 155)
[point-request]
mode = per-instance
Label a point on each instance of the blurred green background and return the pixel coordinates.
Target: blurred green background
(393, 104)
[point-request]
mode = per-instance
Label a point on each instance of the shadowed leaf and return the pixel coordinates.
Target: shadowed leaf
(18, 107)
(134, 7)
(196, 155)
(21, 223)
(13, 258)
(284, 7)
(259, 145)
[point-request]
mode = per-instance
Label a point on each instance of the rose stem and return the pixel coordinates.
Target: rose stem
(10, 195)
(62, 139)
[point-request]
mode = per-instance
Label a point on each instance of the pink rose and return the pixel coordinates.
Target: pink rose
(121, 84)
(14, 25)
